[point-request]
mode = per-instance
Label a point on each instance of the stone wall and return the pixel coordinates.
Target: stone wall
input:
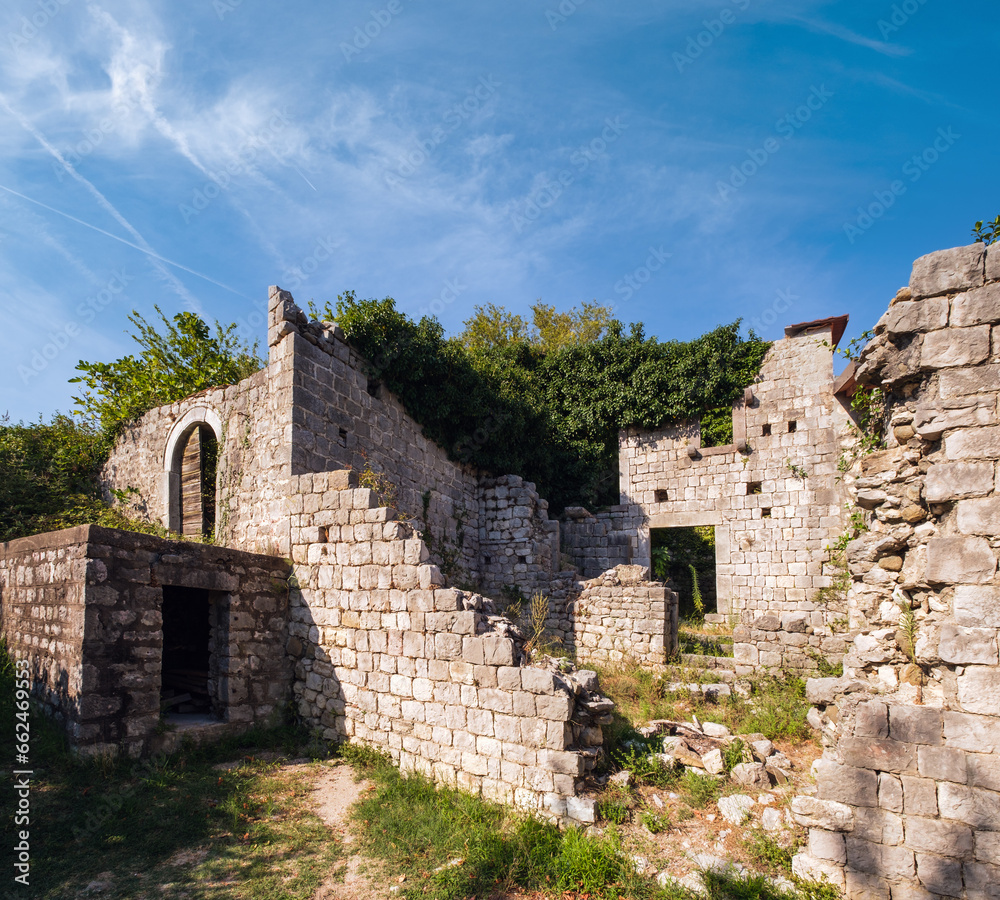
(84, 607)
(386, 655)
(916, 767)
(620, 615)
(597, 542)
(518, 544)
(773, 497)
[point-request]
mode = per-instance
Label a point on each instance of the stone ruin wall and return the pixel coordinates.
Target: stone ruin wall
(83, 605)
(596, 542)
(776, 504)
(908, 790)
(387, 655)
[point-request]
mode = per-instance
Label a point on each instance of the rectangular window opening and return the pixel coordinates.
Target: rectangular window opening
(766, 431)
(660, 495)
(754, 487)
(342, 435)
(324, 534)
(765, 512)
(792, 425)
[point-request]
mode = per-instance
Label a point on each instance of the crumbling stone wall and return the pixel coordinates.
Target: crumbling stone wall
(773, 497)
(386, 655)
(518, 544)
(908, 794)
(620, 615)
(596, 542)
(83, 605)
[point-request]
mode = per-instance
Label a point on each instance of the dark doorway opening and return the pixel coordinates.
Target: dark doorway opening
(685, 559)
(188, 615)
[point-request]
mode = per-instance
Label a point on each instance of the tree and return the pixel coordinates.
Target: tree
(187, 358)
(493, 327)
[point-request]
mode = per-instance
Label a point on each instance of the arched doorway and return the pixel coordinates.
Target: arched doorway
(191, 465)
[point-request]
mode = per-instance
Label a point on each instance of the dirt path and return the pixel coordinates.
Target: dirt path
(332, 795)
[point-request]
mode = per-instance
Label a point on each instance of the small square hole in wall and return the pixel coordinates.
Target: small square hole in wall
(765, 512)
(660, 495)
(374, 387)
(766, 431)
(487, 560)
(522, 559)
(754, 487)
(792, 425)
(342, 436)
(324, 534)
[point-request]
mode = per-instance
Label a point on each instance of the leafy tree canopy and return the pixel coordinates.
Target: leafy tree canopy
(186, 358)
(546, 401)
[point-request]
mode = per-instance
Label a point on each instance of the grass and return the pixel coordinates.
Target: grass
(776, 708)
(168, 827)
(767, 853)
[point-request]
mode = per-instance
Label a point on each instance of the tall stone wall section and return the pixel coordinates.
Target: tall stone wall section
(84, 607)
(916, 768)
(776, 504)
(596, 542)
(388, 656)
(342, 418)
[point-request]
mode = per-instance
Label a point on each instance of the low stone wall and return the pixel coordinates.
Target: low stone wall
(790, 641)
(617, 616)
(84, 607)
(597, 542)
(389, 657)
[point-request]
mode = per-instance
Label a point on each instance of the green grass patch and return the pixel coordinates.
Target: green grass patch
(767, 853)
(170, 826)
(698, 789)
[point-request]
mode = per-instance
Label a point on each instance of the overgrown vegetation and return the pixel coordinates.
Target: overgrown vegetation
(547, 406)
(685, 557)
(988, 233)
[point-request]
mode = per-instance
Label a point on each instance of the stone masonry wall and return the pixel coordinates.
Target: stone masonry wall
(388, 656)
(597, 542)
(342, 419)
(84, 606)
(42, 616)
(620, 615)
(776, 505)
(916, 767)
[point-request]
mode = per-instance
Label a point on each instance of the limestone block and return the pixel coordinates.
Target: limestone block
(977, 605)
(982, 881)
(931, 420)
(945, 271)
(498, 651)
(976, 307)
(872, 719)
(955, 347)
(917, 315)
(988, 847)
(919, 797)
(557, 706)
(963, 645)
(736, 809)
(751, 775)
(846, 784)
(981, 516)
(939, 874)
(979, 690)
(957, 560)
(537, 681)
(958, 480)
(827, 845)
(943, 764)
(915, 724)
(890, 792)
(882, 754)
(973, 443)
(810, 868)
(973, 806)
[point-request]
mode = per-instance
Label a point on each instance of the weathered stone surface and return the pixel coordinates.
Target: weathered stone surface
(976, 307)
(983, 771)
(942, 764)
(979, 516)
(917, 315)
(955, 347)
(890, 792)
(957, 560)
(736, 808)
(872, 720)
(945, 271)
(713, 763)
(973, 806)
(977, 605)
(937, 836)
(963, 645)
(811, 812)
(827, 845)
(751, 775)
(973, 443)
(884, 755)
(955, 481)
(979, 690)
(919, 796)
(940, 874)
(847, 784)
(975, 733)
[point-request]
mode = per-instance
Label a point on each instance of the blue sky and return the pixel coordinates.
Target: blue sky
(689, 163)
